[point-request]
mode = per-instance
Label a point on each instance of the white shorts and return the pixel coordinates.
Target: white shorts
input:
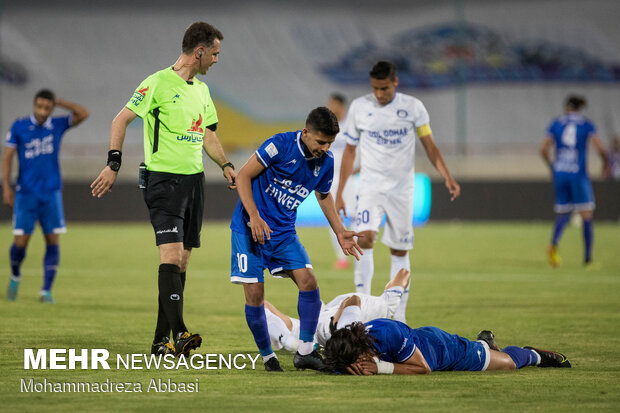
(372, 307)
(397, 206)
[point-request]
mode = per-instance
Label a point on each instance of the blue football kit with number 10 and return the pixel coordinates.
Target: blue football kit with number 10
(289, 177)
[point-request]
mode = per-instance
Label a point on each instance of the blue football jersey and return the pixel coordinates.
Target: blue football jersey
(289, 177)
(396, 342)
(571, 133)
(38, 148)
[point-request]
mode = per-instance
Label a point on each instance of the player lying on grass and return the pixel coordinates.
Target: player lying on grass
(339, 312)
(385, 346)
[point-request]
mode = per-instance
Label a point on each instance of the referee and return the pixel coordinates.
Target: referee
(179, 121)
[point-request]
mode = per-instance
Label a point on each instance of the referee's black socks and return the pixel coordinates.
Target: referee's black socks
(171, 296)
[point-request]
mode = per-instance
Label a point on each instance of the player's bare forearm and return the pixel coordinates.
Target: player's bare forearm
(213, 148)
(545, 151)
(79, 112)
(346, 239)
(104, 182)
(252, 168)
(326, 202)
(434, 156)
(346, 168)
(8, 194)
(602, 153)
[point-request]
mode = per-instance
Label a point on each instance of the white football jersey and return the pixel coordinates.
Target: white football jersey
(386, 139)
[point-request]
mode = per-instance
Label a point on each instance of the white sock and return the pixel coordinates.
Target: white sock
(305, 347)
(364, 270)
(268, 357)
(278, 331)
(398, 263)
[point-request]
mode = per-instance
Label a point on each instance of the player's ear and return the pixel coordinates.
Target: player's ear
(395, 81)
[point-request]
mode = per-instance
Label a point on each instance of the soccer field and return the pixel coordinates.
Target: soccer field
(466, 277)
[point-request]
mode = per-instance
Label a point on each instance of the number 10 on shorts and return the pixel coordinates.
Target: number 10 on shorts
(242, 262)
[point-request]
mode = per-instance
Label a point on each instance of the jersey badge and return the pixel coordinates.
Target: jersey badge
(401, 113)
(271, 150)
(317, 168)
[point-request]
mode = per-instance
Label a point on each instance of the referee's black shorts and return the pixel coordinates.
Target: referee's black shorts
(176, 204)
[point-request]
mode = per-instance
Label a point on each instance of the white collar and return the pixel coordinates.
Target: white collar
(47, 124)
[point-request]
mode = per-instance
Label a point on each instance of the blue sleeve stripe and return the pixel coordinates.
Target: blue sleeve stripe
(261, 160)
(403, 359)
(351, 137)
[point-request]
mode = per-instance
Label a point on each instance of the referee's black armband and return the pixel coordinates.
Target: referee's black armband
(213, 127)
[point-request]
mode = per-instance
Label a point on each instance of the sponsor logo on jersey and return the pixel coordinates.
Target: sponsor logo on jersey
(195, 132)
(196, 125)
(138, 95)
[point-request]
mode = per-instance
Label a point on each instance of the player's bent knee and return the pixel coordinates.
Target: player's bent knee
(353, 300)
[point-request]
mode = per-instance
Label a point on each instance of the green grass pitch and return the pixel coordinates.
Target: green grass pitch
(466, 277)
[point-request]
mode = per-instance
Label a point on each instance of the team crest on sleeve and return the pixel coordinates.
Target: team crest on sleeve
(271, 150)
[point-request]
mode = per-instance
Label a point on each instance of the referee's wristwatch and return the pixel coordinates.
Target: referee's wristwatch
(228, 164)
(115, 166)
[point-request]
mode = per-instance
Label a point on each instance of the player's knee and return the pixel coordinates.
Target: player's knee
(586, 215)
(353, 300)
(398, 253)
(366, 239)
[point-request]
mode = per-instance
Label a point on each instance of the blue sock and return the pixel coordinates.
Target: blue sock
(560, 223)
(16, 255)
(521, 356)
(309, 308)
(50, 264)
(255, 317)
(588, 238)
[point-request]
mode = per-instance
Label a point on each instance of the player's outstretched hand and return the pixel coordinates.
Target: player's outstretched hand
(349, 246)
(231, 176)
(260, 230)
(104, 182)
(454, 189)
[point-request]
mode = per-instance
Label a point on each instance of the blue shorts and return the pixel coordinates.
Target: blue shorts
(573, 192)
(450, 352)
(45, 208)
(249, 259)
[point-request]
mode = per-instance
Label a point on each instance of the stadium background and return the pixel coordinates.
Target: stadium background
(492, 75)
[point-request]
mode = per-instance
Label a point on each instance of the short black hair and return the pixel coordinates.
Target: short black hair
(200, 33)
(383, 70)
(575, 102)
(338, 97)
(346, 345)
(45, 94)
(323, 120)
